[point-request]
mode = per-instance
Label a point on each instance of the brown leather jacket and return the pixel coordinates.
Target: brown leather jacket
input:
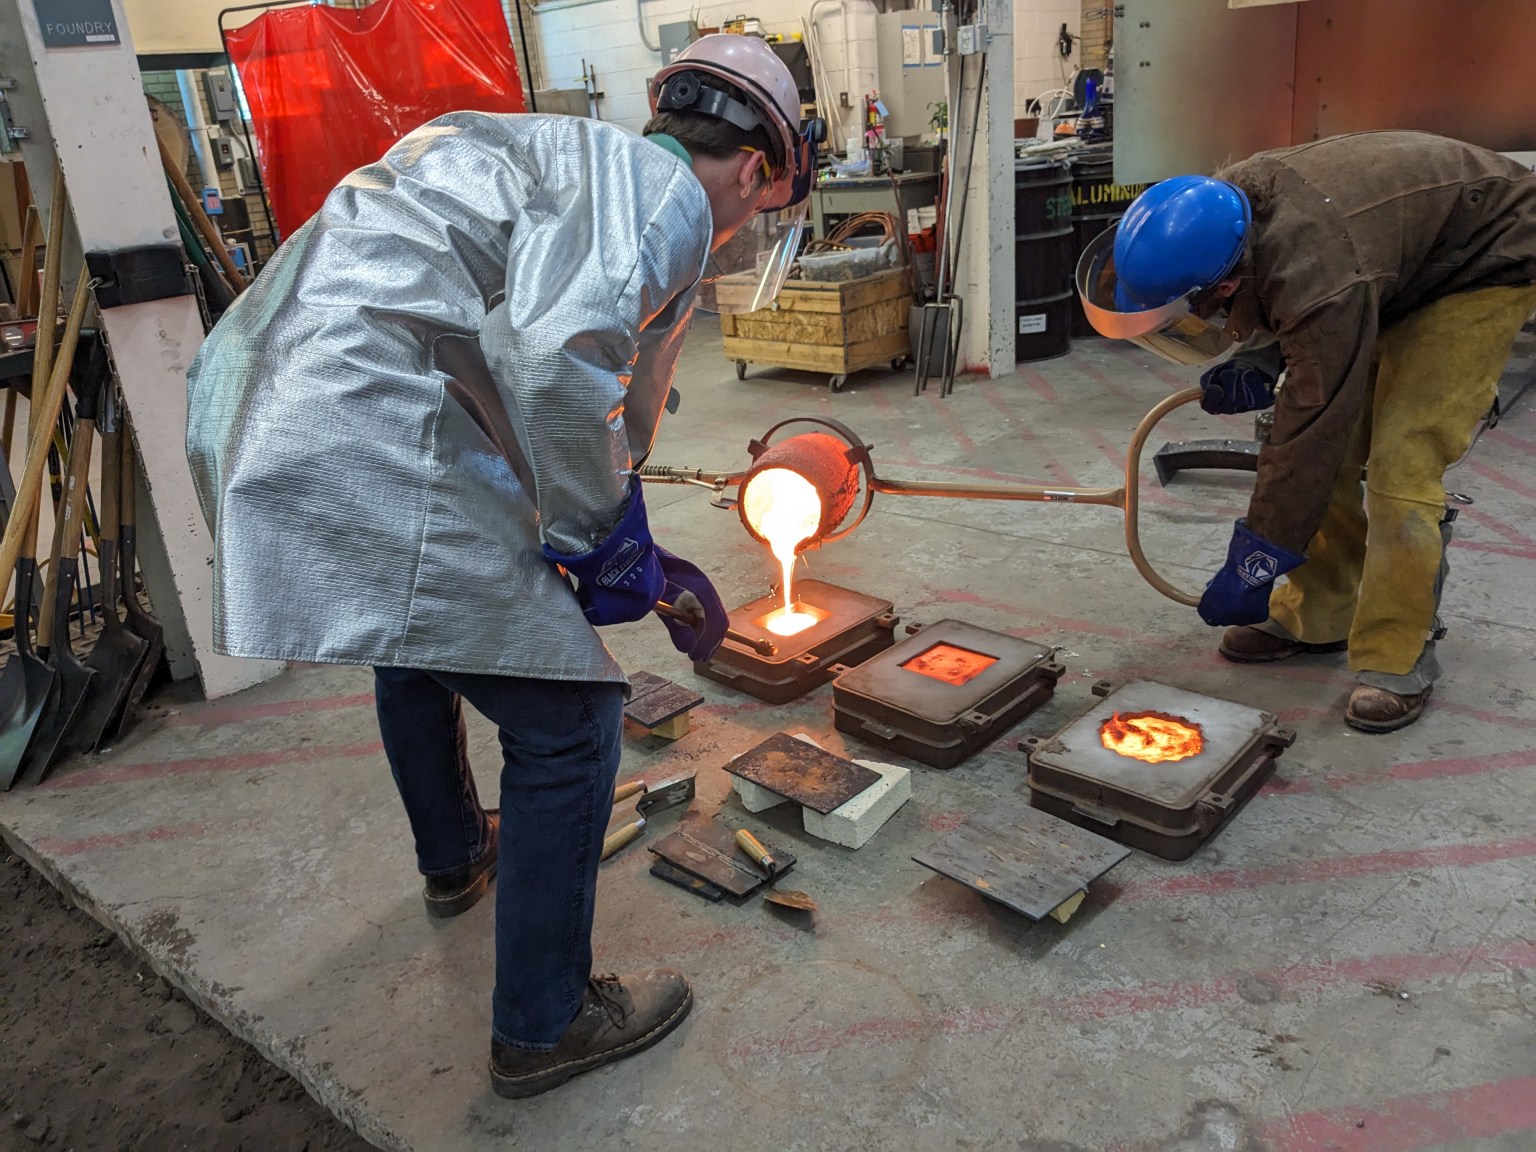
(1351, 234)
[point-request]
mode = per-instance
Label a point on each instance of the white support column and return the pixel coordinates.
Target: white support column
(988, 249)
(87, 106)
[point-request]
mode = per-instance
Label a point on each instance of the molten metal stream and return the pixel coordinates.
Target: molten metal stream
(785, 508)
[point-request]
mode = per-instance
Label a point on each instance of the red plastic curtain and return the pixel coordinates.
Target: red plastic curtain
(331, 89)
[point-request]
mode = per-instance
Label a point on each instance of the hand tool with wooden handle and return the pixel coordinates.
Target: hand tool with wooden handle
(755, 851)
(671, 794)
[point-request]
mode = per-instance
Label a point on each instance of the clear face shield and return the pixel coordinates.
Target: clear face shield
(748, 271)
(1175, 331)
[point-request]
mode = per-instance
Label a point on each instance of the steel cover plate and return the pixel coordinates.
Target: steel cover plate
(884, 679)
(654, 700)
(1228, 729)
(802, 772)
(1023, 858)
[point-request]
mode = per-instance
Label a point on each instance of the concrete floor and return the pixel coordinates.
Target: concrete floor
(1349, 966)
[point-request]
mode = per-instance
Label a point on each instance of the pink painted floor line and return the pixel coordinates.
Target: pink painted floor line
(218, 716)
(1112, 1002)
(1411, 1123)
(1328, 868)
(243, 762)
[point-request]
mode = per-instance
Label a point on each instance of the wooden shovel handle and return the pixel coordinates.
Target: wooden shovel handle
(111, 505)
(45, 414)
(26, 292)
(127, 514)
(48, 301)
(66, 528)
(205, 226)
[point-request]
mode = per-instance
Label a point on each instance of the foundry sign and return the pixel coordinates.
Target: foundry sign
(76, 23)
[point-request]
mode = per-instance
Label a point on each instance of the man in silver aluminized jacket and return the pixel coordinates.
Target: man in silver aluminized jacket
(422, 423)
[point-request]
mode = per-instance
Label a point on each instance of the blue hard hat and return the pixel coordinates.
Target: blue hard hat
(1180, 235)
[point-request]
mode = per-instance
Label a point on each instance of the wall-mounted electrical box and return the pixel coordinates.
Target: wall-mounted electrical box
(223, 151)
(221, 94)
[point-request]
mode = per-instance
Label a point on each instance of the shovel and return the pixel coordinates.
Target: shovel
(118, 653)
(74, 678)
(27, 680)
(138, 621)
(28, 685)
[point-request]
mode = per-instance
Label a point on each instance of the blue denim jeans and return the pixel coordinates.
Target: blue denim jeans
(560, 754)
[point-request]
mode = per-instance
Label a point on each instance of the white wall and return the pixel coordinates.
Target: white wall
(1037, 65)
(161, 26)
(604, 33)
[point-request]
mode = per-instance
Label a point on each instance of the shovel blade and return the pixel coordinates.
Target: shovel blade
(116, 660)
(24, 690)
(148, 629)
(74, 680)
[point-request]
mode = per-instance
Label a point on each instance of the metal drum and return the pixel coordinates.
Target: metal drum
(1043, 258)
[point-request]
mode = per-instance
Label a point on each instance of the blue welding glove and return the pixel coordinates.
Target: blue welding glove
(621, 579)
(1239, 593)
(1242, 384)
(689, 590)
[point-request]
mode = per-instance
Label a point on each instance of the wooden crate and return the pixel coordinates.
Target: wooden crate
(837, 327)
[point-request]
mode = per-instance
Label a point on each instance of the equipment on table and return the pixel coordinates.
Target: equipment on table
(119, 652)
(671, 794)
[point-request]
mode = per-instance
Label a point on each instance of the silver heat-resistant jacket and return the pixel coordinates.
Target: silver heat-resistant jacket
(457, 358)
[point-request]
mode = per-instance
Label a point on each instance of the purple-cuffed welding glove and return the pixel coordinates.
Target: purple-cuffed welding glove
(689, 590)
(621, 579)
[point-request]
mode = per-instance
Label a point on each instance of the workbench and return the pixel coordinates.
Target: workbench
(849, 196)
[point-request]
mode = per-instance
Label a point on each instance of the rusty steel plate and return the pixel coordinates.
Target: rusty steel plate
(802, 772)
(654, 700)
(1022, 858)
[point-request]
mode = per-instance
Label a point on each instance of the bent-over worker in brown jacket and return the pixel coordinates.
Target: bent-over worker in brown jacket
(1387, 275)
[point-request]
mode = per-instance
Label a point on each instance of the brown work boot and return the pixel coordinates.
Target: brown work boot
(1378, 710)
(1248, 645)
(461, 889)
(621, 1015)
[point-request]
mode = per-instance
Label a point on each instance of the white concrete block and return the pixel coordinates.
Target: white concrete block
(853, 823)
(754, 797)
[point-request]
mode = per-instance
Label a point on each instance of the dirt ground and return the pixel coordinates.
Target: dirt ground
(96, 1052)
